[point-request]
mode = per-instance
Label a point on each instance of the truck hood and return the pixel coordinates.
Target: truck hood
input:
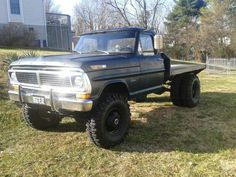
(85, 62)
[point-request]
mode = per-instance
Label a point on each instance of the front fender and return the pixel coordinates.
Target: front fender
(118, 85)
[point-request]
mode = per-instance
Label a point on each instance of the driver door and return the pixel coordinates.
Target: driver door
(152, 66)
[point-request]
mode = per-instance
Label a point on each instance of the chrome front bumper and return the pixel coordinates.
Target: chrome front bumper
(56, 99)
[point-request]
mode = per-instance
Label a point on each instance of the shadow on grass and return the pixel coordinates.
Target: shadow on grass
(207, 128)
(68, 127)
(3, 93)
(157, 99)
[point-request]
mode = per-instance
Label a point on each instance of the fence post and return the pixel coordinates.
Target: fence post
(207, 64)
(228, 66)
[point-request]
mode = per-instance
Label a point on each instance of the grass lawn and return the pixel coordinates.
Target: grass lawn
(164, 140)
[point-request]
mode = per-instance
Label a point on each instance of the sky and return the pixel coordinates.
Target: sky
(66, 6)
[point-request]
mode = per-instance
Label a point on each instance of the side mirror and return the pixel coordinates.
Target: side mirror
(158, 42)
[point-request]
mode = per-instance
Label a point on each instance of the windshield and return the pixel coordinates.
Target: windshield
(106, 43)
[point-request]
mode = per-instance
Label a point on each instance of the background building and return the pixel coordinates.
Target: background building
(52, 30)
(27, 12)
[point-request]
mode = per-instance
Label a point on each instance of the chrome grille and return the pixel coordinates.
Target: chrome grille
(54, 80)
(28, 78)
(45, 79)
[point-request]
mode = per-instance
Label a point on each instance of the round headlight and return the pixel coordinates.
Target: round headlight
(13, 77)
(79, 81)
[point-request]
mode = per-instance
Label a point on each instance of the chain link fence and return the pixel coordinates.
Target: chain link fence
(59, 31)
(221, 65)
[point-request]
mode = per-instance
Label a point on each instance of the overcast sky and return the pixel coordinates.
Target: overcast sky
(67, 6)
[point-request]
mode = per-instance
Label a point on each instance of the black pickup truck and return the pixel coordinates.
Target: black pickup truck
(94, 83)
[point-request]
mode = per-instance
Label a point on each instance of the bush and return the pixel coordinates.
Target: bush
(16, 35)
(13, 56)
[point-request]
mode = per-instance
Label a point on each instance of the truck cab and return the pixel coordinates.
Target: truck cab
(128, 51)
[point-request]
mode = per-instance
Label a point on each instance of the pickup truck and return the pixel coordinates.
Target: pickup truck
(95, 82)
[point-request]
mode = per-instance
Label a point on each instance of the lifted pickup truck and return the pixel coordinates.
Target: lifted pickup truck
(94, 83)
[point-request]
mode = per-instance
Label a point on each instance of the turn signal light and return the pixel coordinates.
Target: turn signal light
(83, 95)
(14, 87)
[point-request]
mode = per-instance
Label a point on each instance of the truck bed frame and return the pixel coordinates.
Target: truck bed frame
(180, 69)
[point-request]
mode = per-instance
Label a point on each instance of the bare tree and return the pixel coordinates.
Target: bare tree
(146, 12)
(94, 16)
(143, 13)
(121, 8)
(51, 7)
(100, 14)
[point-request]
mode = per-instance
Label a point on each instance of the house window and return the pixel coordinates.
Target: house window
(15, 6)
(31, 29)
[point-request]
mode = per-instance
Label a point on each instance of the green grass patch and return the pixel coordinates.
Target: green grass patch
(164, 140)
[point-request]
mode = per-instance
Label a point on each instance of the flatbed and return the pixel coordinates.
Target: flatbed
(179, 69)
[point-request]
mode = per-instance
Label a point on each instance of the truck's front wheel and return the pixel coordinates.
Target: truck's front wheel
(110, 121)
(39, 118)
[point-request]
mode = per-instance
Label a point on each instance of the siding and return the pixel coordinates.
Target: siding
(32, 12)
(32, 15)
(3, 11)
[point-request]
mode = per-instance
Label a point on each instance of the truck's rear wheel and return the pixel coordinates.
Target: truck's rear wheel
(110, 121)
(190, 91)
(39, 118)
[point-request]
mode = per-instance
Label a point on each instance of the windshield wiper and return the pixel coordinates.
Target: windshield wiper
(93, 51)
(77, 52)
(102, 51)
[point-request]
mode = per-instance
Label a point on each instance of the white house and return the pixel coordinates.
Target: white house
(31, 13)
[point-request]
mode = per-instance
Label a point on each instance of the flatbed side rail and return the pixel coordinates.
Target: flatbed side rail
(181, 69)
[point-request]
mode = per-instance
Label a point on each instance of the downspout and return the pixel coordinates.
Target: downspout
(45, 21)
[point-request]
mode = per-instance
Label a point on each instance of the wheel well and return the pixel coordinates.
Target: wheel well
(116, 88)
